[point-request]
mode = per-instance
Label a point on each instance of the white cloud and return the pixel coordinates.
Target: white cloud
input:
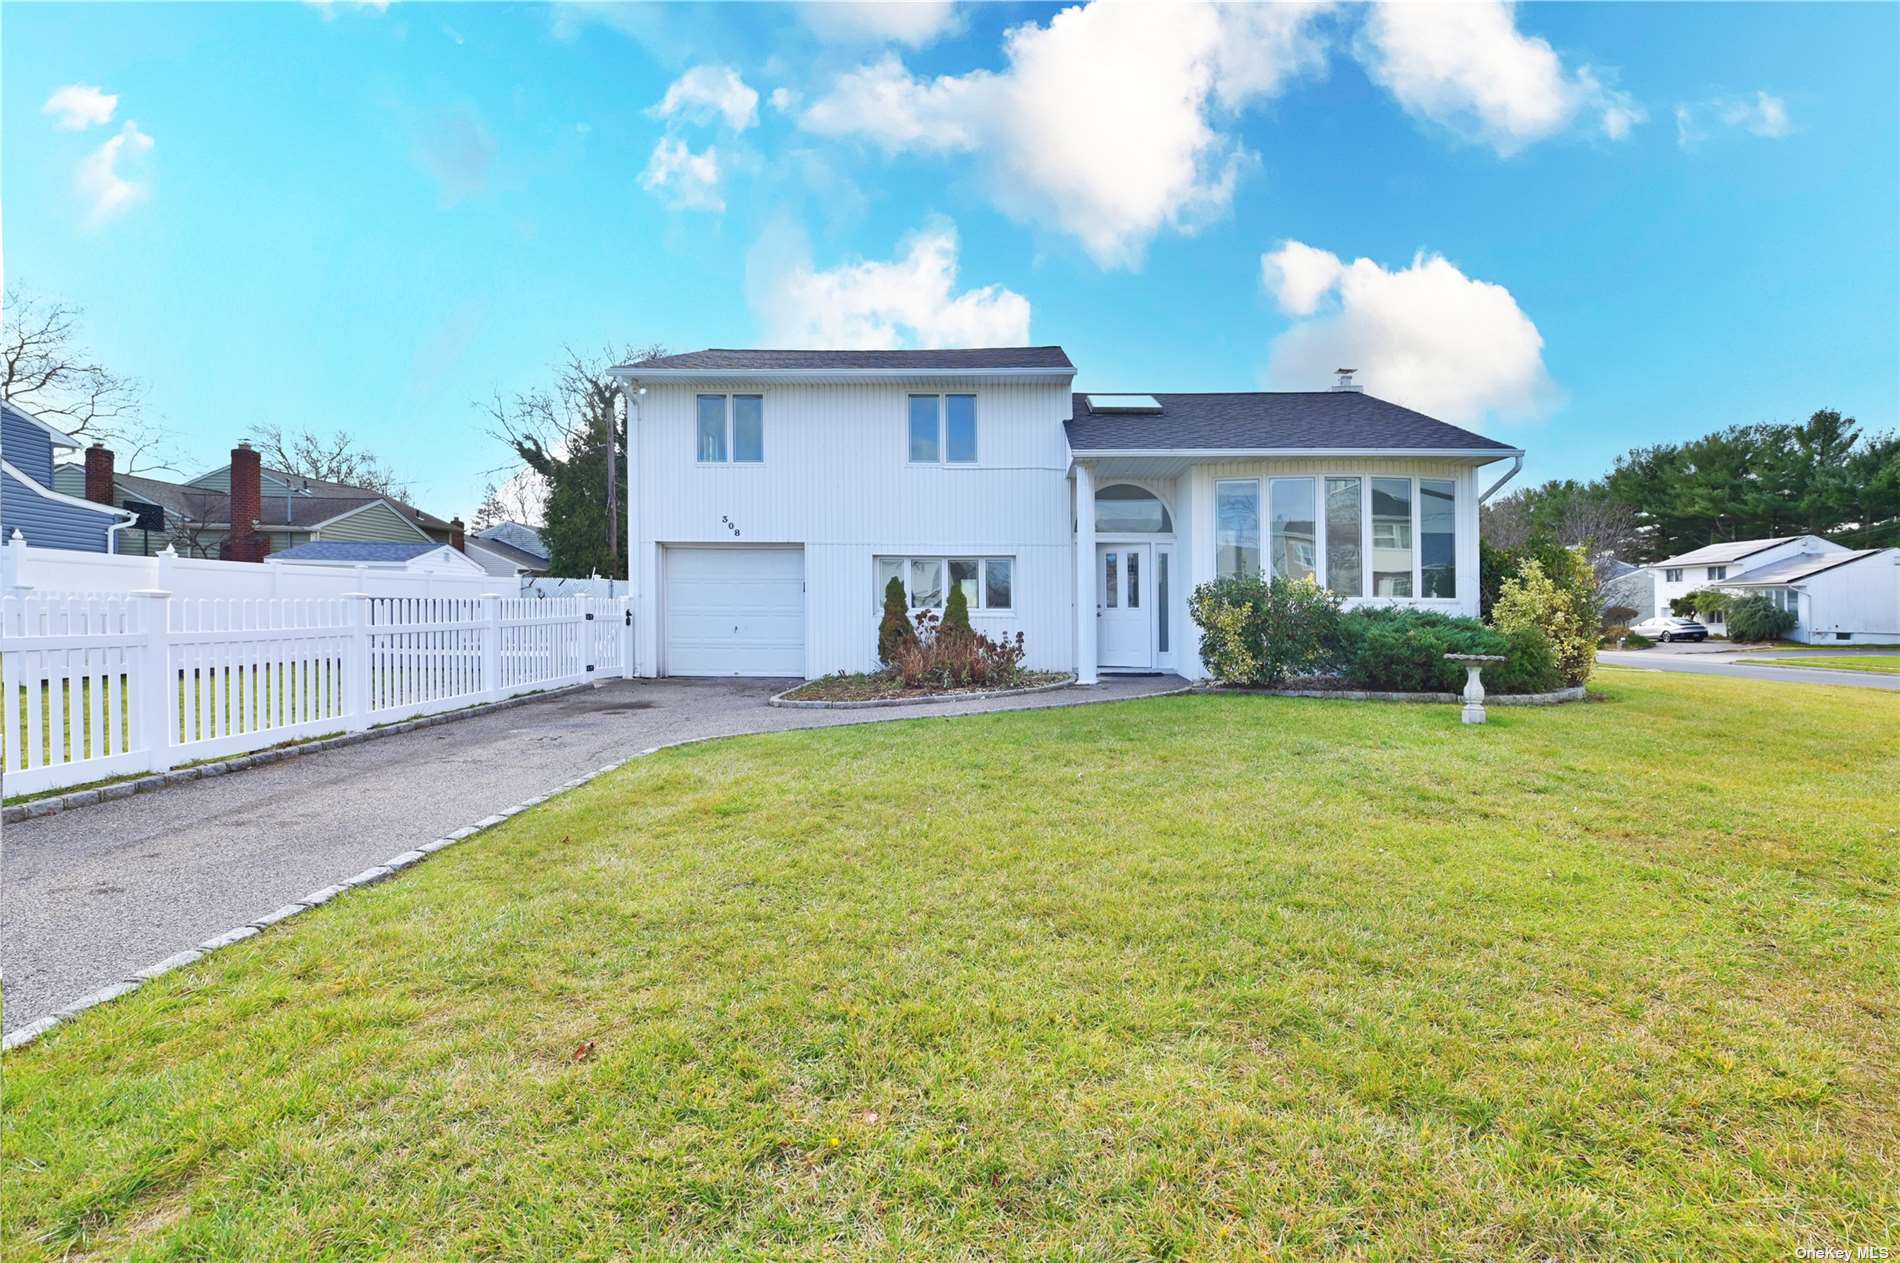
(706, 93)
(1425, 336)
(911, 300)
(1067, 136)
(78, 106)
(111, 178)
(1760, 114)
(784, 100)
(688, 180)
(1467, 68)
(911, 22)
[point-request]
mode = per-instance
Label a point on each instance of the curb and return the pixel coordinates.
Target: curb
(159, 780)
(1573, 694)
(937, 699)
(315, 899)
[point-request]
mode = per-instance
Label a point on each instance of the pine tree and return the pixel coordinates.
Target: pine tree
(956, 614)
(894, 630)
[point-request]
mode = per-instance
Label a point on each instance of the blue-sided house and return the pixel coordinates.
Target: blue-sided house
(28, 502)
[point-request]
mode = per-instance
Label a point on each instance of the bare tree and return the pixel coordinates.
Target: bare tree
(195, 536)
(333, 459)
(47, 370)
(568, 434)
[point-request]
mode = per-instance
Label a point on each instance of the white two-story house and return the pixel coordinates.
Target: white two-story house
(1836, 594)
(774, 494)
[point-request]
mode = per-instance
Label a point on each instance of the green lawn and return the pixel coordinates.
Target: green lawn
(1200, 978)
(1889, 665)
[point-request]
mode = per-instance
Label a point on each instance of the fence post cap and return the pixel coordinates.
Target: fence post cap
(151, 592)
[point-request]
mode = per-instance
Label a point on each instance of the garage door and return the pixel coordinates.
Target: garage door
(735, 611)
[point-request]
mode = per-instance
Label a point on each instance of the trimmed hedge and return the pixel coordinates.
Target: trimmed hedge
(1403, 651)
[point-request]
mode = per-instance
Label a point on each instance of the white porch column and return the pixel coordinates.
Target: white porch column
(1085, 629)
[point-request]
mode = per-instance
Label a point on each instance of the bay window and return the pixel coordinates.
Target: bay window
(1292, 529)
(1345, 525)
(1438, 538)
(1237, 528)
(1392, 537)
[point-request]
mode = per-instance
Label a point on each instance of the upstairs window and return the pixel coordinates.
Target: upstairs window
(942, 429)
(1672, 576)
(731, 429)
(1718, 572)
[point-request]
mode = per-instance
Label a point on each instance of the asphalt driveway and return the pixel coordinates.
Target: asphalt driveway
(93, 894)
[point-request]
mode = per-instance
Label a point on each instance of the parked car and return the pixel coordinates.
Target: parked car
(1667, 628)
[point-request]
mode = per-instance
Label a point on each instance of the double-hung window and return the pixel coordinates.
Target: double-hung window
(1672, 576)
(988, 583)
(1718, 572)
(731, 429)
(942, 429)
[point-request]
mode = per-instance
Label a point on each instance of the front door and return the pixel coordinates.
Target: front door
(1124, 606)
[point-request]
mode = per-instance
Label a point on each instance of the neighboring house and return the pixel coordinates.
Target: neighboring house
(774, 494)
(31, 503)
(280, 510)
(1843, 595)
(1627, 588)
(1716, 565)
(508, 548)
(418, 557)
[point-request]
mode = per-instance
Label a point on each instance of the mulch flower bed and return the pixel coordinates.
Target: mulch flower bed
(879, 688)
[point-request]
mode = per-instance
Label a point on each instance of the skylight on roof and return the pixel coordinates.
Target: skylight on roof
(1123, 403)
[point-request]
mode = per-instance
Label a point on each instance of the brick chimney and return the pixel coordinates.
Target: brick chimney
(99, 474)
(247, 505)
(457, 535)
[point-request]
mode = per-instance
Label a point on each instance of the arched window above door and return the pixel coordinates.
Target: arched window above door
(1125, 507)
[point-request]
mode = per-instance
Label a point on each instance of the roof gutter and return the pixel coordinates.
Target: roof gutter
(635, 373)
(1517, 463)
(1483, 455)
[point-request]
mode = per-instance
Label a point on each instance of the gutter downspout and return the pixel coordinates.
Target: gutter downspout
(112, 536)
(631, 391)
(1517, 463)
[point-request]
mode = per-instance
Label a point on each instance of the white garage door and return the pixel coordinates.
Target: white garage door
(735, 611)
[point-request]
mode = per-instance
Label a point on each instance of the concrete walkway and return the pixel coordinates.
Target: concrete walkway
(1712, 662)
(93, 894)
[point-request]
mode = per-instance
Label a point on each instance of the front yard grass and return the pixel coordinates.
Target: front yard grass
(1203, 977)
(1889, 665)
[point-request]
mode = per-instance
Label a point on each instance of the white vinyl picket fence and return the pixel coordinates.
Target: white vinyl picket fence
(95, 685)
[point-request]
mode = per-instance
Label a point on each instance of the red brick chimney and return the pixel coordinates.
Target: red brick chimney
(99, 474)
(247, 505)
(457, 536)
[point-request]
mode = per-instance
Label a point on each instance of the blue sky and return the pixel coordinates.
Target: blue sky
(1578, 228)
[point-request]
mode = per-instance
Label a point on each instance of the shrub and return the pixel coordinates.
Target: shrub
(1260, 631)
(956, 612)
(938, 655)
(1758, 618)
(1636, 640)
(894, 630)
(1611, 636)
(1555, 606)
(1403, 651)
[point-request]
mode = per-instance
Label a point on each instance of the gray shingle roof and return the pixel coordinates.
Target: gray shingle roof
(1255, 421)
(1794, 568)
(354, 550)
(729, 360)
(1733, 550)
(517, 536)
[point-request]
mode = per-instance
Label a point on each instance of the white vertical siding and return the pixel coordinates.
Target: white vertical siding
(837, 480)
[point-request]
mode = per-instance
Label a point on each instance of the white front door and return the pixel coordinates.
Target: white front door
(1124, 606)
